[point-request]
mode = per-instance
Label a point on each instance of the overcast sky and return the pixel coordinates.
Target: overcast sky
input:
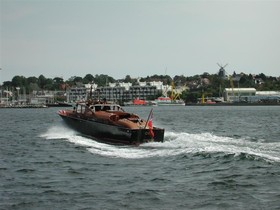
(138, 38)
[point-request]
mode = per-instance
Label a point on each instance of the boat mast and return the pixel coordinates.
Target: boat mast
(172, 91)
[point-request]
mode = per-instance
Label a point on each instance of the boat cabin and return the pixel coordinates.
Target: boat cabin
(105, 107)
(83, 108)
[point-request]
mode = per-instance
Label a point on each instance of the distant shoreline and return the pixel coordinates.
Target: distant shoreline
(235, 104)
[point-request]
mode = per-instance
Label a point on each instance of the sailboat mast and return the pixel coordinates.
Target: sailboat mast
(172, 91)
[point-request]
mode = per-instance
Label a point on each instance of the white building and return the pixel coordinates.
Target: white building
(250, 95)
(235, 94)
(268, 93)
(121, 91)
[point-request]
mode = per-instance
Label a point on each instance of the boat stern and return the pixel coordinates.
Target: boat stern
(145, 135)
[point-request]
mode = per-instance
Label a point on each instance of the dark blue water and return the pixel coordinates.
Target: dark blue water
(212, 158)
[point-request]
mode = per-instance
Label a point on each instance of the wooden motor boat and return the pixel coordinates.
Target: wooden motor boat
(110, 123)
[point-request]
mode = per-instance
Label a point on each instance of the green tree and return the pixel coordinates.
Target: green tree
(128, 79)
(32, 80)
(262, 76)
(7, 85)
(42, 81)
(88, 79)
(57, 82)
(102, 80)
(32, 84)
(19, 81)
(78, 79)
(32, 87)
(190, 97)
(180, 80)
(49, 84)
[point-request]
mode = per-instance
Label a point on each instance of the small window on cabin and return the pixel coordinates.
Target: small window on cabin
(79, 109)
(105, 108)
(83, 109)
(92, 108)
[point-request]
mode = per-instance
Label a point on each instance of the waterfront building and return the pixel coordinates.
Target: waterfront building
(250, 95)
(127, 92)
(41, 97)
(121, 91)
(235, 94)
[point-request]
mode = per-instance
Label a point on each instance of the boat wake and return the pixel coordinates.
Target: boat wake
(175, 144)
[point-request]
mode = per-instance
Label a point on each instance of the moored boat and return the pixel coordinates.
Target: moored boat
(164, 100)
(139, 102)
(173, 100)
(110, 123)
(136, 102)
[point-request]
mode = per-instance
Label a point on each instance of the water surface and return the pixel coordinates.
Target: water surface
(212, 158)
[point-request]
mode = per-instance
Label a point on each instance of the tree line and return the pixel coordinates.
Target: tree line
(209, 84)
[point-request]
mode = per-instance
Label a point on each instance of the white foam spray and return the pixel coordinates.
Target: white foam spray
(175, 144)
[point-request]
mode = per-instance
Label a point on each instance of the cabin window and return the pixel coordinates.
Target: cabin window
(106, 108)
(83, 109)
(92, 108)
(97, 108)
(79, 109)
